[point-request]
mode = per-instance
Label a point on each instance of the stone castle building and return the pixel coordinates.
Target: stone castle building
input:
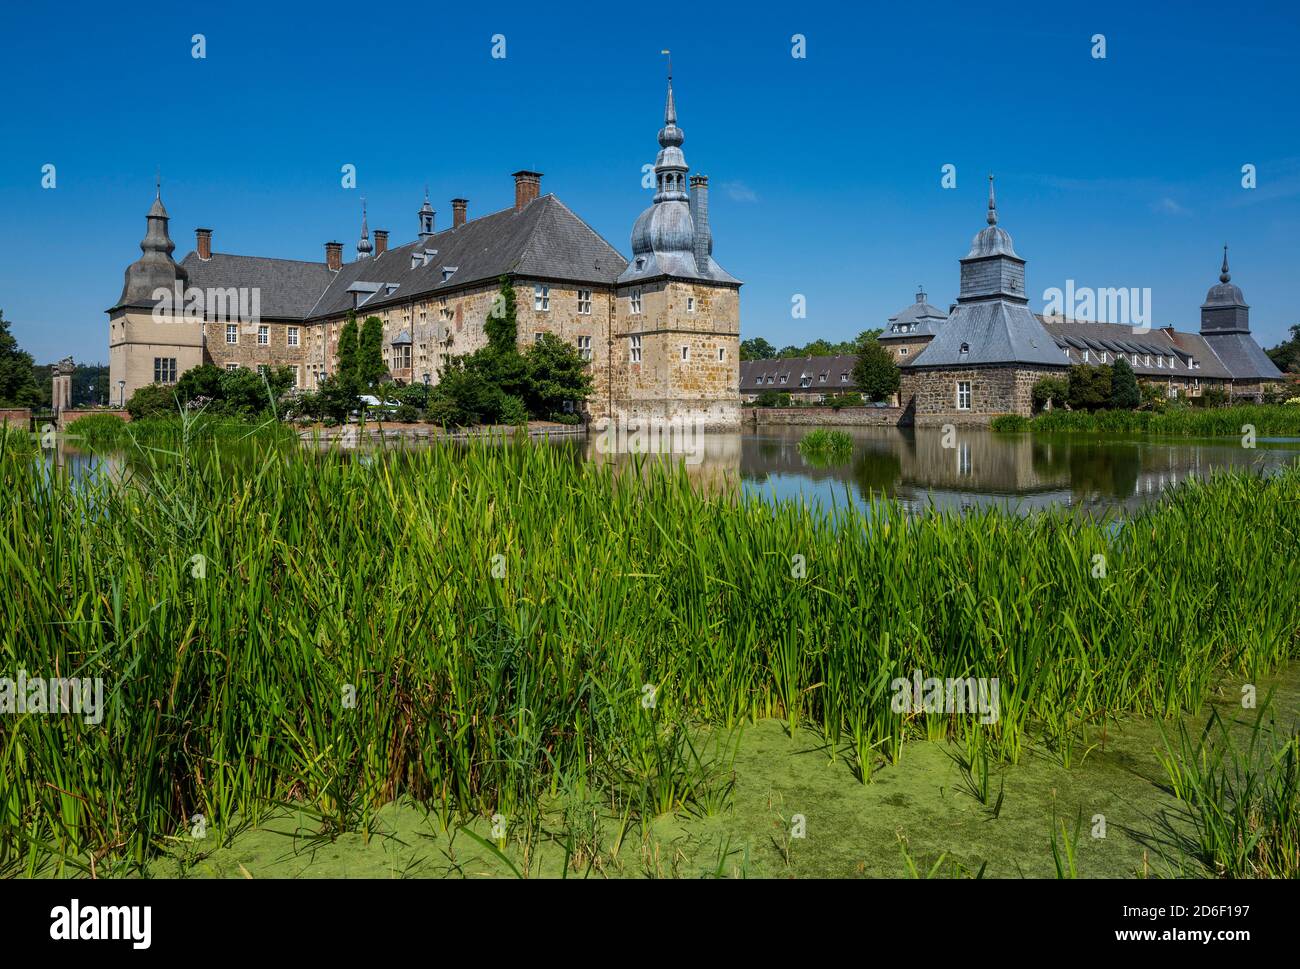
(661, 331)
(984, 357)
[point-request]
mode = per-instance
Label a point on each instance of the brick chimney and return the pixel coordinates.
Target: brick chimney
(334, 256)
(458, 212)
(700, 217)
(381, 241)
(528, 185)
(203, 243)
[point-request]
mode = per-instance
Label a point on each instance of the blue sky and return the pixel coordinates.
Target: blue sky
(825, 170)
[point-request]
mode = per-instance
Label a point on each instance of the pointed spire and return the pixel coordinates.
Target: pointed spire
(1224, 275)
(670, 109)
(920, 293)
(364, 246)
(993, 205)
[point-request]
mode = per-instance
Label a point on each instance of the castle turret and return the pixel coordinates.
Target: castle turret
(155, 269)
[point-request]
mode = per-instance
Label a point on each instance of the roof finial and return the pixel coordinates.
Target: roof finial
(920, 292)
(1224, 275)
(364, 247)
(670, 109)
(993, 205)
(157, 180)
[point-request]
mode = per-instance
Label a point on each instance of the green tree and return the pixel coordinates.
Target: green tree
(756, 348)
(1286, 355)
(876, 374)
(247, 393)
(347, 354)
(1124, 393)
(201, 383)
(1089, 387)
(18, 386)
(556, 372)
(1053, 390)
(370, 353)
(153, 400)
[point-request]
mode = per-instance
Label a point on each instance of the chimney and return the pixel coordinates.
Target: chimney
(203, 243)
(381, 241)
(528, 185)
(458, 212)
(700, 217)
(334, 256)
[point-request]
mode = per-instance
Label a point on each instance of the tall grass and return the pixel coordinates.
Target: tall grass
(110, 431)
(822, 445)
(1267, 419)
(481, 628)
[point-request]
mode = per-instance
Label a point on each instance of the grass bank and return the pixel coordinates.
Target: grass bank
(1278, 420)
(481, 629)
(107, 431)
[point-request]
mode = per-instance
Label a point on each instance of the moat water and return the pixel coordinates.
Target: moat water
(1020, 472)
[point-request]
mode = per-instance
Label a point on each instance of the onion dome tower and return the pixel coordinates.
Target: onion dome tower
(364, 246)
(155, 269)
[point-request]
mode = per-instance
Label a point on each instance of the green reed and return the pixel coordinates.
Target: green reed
(475, 627)
(1280, 419)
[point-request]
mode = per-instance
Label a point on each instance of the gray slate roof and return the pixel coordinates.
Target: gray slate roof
(289, 287)
(754, 374)
(1165, 342)
(1242, 356)
(544, 240)
(994, 332)
(919, 319)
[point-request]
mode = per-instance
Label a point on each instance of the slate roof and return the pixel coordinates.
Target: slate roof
(1164, 343)
(919, 319)
(289, 287)
(993, 332)
(544, 240)
(1242, 356)
(754, 374)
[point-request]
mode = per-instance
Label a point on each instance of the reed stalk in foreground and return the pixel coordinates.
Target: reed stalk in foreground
(481, 628)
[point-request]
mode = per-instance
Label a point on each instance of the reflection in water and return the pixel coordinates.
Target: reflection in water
(1019, 471)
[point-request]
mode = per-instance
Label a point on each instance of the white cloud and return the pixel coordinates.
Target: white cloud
(739, 192)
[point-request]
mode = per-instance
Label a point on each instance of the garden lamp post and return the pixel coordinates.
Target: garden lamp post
(121, 393)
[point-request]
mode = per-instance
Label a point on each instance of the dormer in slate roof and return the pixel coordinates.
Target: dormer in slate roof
(918, 319)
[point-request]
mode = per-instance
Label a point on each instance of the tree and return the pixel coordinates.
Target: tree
(756, 348)
(202, 383)
(1053, 390)
(876, 374)
(246, 393)
(17, 380)
(1124, 393)
(1089, 387)
(347, 354)
(153, 400)
(370, 353)
(556, 372)
(1286, 355)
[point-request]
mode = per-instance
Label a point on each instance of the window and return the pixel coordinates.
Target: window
(584, 302)
(690, 304)
(844, 377)
(1135, 359)
(541, 298)
(686, 353)
(722, 354)
(537, 338)
(293, 336)
(1103, 356)
(232, 333)
(164, 370)
(902, 351)
(1148, 359)
(402, 357)
(785, 377)
(965, 348)
(805, 380)
(232, 366)
(263, 370)
(963, 395)
(1160, 362)
(584, 347)
(263, 336)
(635, 350)
(636, 300)
(1086, 354)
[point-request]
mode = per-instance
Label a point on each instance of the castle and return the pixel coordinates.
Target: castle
(661, 332)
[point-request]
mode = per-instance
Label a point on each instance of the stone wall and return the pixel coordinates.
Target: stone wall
(993, 391)
(819, 416)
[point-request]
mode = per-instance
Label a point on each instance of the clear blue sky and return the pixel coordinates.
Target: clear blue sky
(825, 170)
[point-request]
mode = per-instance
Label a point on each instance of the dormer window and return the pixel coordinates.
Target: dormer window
(844, 377)
(448, 272)
(640, 262)
(965, 348)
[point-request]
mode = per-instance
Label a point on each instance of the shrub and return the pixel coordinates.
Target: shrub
(1215, 397)
(513, 410)
(768, 398)
(406, 414)
(1089, 387)
(1009, 423)
(1053, 390)
(153, 400)
(846, 400)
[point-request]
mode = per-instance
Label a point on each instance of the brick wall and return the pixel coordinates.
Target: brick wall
(19, 417)
(66, 417)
